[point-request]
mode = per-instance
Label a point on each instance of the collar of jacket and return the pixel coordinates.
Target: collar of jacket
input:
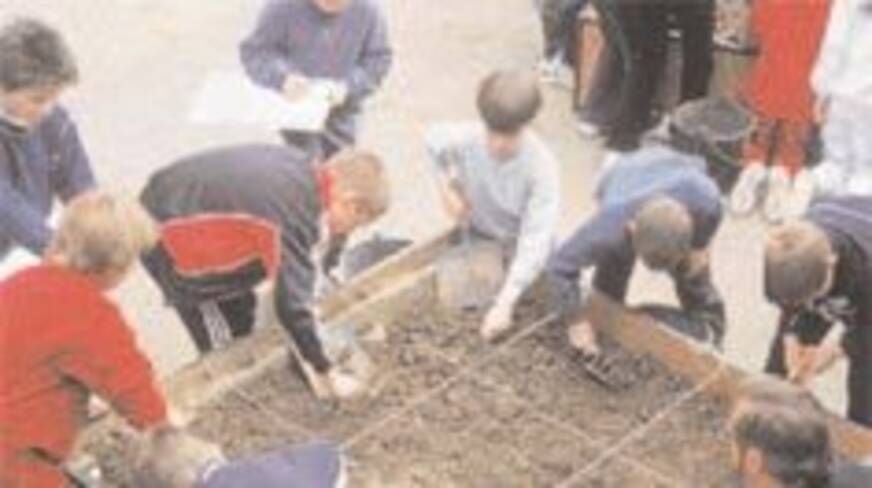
(11, 129)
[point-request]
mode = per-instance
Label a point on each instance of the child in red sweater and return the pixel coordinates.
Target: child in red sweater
(779, 90)
(62, 339)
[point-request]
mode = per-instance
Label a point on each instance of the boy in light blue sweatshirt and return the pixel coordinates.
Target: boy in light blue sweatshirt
(501, 179)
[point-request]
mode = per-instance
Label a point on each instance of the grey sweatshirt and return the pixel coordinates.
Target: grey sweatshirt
(516, 202)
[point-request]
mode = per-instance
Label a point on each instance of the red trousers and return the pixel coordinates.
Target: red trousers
(780, 143)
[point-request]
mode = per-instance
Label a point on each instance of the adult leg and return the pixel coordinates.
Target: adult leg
(567, 31)
(696, 22)
(602, 100)
(549, 16)
(239, 312)
(644, 25)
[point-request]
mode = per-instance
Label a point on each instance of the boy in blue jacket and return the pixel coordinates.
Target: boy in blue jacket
(41, 155)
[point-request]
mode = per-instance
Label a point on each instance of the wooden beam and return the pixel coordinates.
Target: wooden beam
(697, 363)
(385, 274)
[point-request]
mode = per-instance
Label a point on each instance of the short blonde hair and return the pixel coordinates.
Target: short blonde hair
(100, 234)
(797, 262)
(361, 175)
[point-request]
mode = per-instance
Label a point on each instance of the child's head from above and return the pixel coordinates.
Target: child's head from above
(799, 264)
(101, 237)
(662, 232)
(360, 191)
(779, 435)
(507, 102)
(35, 67)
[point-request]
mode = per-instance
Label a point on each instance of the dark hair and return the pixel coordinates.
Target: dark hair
(33, 55)
(797, 261)
(796, 445)
(508, 101)
(789, 427)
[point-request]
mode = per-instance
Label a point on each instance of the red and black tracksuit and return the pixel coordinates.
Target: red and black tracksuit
(232, 218)
(60, 340)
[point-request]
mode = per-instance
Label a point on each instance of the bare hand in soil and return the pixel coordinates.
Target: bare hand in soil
(497, 321)
(583, 338)
(345, 385)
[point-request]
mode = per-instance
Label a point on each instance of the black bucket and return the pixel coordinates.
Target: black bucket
(715, 128)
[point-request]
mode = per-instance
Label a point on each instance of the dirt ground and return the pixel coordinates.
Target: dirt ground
(447, 411)
(143, 61)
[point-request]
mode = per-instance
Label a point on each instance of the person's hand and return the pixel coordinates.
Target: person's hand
(344, 385)
(497, 320)
(583, 338)
(295, 87)
(803, 371)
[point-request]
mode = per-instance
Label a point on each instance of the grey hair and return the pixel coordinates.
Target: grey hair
(34, 55)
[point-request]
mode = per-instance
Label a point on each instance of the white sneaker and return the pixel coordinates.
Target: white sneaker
(801, 194)
(778, 192)
(748, 190)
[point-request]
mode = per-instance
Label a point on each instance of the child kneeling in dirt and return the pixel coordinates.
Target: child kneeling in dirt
(171, 458)
(817, 270)
(657, 203)
(62, 339)
(499, 179)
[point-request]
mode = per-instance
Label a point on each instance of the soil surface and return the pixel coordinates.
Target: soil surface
(447, 410)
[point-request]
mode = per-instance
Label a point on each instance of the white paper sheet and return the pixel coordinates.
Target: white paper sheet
(229, 98)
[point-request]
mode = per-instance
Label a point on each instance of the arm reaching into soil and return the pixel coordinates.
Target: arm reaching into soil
(538, 225)
(295, 287)
(596, 241)
(105, 358)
